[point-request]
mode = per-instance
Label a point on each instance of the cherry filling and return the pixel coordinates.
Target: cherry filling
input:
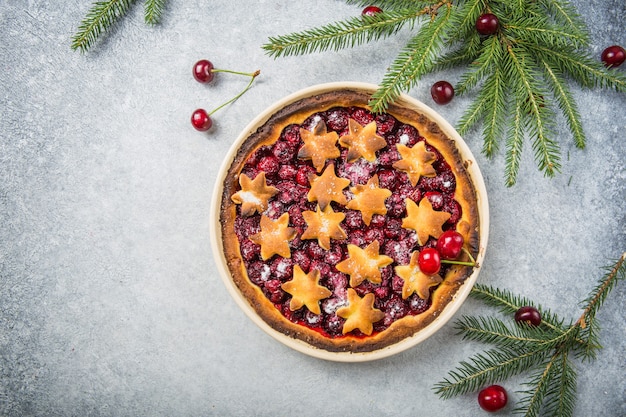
(290, 175)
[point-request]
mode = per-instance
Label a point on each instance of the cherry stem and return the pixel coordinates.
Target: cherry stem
(248, 74)
(252, 76)
(472, 261)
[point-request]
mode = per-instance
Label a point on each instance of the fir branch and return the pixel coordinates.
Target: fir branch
(545, 42)
(543, 351)
(100, 18)
(339, 35)
(154, 11)
(493, 365)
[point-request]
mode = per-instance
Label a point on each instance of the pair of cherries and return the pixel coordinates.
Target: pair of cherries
(449, 247)
(204, 72)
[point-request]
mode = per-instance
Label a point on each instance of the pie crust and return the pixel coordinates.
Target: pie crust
(245, 198)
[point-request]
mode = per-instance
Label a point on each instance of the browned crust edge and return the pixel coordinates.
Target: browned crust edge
(465, 194)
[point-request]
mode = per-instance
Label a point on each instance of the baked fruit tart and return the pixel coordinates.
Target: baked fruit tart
(349, 232)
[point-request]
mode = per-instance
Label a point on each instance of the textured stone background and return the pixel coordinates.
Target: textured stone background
(110, 302)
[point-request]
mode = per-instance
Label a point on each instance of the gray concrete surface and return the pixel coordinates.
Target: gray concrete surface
(110, 302)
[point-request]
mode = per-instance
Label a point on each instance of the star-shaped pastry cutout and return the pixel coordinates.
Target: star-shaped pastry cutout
(415, 281)
(424, 220)
(274, 237)
(323, 225)
(254, 194)
(319, 145)
(416, 161)
(362, 141)
(359, 313)
(328, 187)
(369, 199)
(305, 290)
(364, 264)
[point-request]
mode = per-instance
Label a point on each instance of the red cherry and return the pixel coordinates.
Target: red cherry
(450, 244)
(492, 398)
(203, 71)
(371, 11)
(487, 24)
(201, 120)
(429, 261)
(442, 92)
(528, 314)
(614, 56)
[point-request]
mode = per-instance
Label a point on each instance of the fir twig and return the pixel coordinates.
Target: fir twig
(154, 11)
(100, 18)
(544, 351)
(522, 71)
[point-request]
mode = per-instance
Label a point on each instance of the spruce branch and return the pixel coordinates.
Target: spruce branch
(153, 11)
(525, 67)
(544, 351)
(100, 18)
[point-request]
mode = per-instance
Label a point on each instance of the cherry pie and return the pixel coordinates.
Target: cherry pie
(325, 209)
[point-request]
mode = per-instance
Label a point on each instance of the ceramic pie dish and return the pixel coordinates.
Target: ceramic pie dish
(329, 222)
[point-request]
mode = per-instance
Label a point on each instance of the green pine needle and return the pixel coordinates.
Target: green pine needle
(100, 18)
(154, 11)
(543, 351)
(525, 67)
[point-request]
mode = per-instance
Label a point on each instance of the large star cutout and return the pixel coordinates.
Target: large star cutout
(360, 313)
(305, 290)
(416, 161)
(415, 281)
(274, 237)
(319, 145)
(328, 187)
(424, 220)
(362, 141)
(364, 264)
(254, 194)
(369, 199)
(323, 225)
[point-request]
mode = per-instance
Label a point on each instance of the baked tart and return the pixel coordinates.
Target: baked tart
(324, 208)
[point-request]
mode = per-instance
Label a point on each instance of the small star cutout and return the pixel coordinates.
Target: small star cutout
(360, 313)
(424, 220)
(364, 264)
(362, 141)
(254, 194)
(305, 290)
(416, 161)
(415, 280)
(328, 187)
(323, 225)
(319, 145)
(274, 237)
(369, 199)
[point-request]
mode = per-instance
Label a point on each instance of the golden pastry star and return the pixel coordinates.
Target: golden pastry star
(360, 313)
(328, 187)
(274, 236)
(254, 194)
(424, 220)
(323, 225)
(362, 141)
(363, 264)
(416, 161)
(319, 145)
(415, 280)
(369, 199)
(305, 290)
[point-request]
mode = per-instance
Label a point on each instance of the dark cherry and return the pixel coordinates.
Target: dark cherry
(613, 56)
(450, 244)
(487, 24)
(492, 398)
(203, 71)
(429, 261)
(371, 11)
(201, 120)
(529, 315)
(442, 92)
